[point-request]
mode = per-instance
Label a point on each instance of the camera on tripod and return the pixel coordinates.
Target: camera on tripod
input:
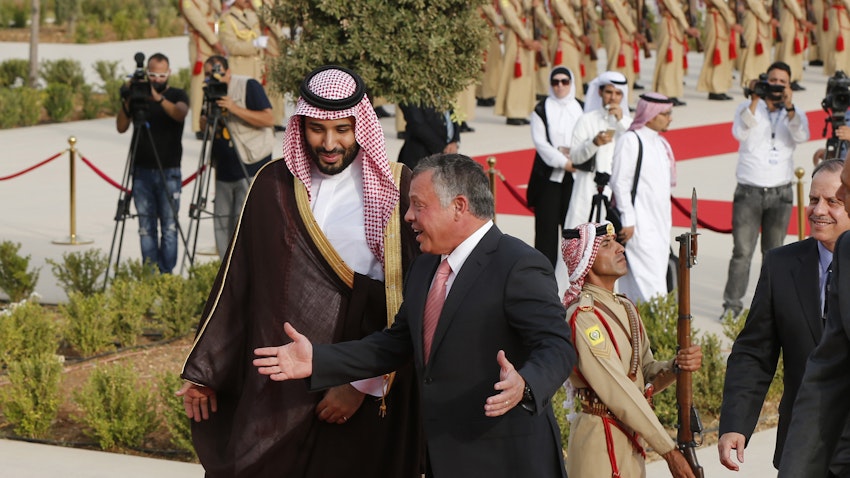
(835, 103)
(765, 90)
(139, 90)
(214, 90)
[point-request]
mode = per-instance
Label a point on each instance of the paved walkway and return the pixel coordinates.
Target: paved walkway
(36, 212)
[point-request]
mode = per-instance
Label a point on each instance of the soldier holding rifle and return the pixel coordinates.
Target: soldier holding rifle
(720, 49)
(672, 48)
(616, 373)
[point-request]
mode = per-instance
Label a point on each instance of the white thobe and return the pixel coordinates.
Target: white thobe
(584, 188)
(337, 205)
(649, 248)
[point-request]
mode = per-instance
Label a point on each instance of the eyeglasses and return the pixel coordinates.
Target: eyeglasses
(157, 76)
(562, 81)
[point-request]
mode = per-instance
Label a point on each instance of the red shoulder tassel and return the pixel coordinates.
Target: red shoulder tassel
(517, 68)
(621, 60)
(583, 72)
(198, 68)
(733, 52)
(798, 47)
(759, 48)
(669, 56)
(839, 43)
(559, 57)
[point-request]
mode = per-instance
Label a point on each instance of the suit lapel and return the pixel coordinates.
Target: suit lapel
(805, 274)
(466, 278)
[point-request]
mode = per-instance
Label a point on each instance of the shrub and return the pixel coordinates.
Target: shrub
(59, 101)
(80, 271)
(168, 22)
(175, 309)
(89, 328)
(19, 106)
(12, 69)
(117, 408)
(660, 316)
(106, 70)
(15, 279)
(26, 330)
(91, 103)
(121, 24)
(65, 71)
(136, 270)
(182, 79)
(732, 326)
(201, 279)
(173, 415)
(128, 303)
(31, 401)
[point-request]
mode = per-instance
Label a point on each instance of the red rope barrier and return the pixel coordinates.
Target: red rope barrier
(103, 175)
(11, 176)
(515, 192)
(193, 176)
(687, 212)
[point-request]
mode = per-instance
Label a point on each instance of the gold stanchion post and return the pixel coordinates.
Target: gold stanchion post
(491, 161)
(72, 239)
(801, 206)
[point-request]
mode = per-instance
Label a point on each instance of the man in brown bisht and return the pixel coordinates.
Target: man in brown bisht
(321, 243)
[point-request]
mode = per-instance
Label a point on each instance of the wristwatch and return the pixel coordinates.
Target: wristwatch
(790, 109)
(161, 99)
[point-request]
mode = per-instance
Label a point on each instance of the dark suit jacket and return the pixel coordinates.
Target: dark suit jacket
(504, 297)
(823, 402)
(785, 316)
(425, 134)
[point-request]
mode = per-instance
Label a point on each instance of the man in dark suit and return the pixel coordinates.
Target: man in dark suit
(428, 132)
(483, 415)
(786, 316)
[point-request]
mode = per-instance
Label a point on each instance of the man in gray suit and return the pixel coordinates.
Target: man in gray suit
(488, 358)
(786, 316)
(822, 405)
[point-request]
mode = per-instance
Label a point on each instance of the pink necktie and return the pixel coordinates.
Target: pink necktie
(434, 306)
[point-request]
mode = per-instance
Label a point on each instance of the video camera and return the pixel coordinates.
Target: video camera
(139, 91)
(835, 103)
(765, 90)
(214, 90)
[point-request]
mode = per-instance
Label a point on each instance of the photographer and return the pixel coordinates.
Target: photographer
(160, 110)
(240, 150)
(768, 128)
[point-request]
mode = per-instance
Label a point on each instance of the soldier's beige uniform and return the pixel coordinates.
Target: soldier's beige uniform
(793, 33)
(237, 30)
(837, 37)
(716, 74)
(489, 85)
(543, 60)
(670, 56)
(754, 60)
(588, 18)
(610, 398)
(618, 32)
(515, 97)
(274, 32)
(201, 17)
(566, 47)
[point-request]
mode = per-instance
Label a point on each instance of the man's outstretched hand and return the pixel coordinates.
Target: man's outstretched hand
(293, 360)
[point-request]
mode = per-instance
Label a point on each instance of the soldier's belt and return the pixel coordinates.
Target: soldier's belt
(590, 403)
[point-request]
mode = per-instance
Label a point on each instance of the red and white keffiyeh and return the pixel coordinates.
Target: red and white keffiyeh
(330, 93)
(579, 254)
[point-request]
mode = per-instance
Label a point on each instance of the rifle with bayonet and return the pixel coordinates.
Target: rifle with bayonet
(643, 27)
(775, 7)
(587, 28)
(692, 22)
(690, 425)
(811, 18)
(739, 18)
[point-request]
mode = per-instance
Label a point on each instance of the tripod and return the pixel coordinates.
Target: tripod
(836, 148)
(216, 119)
(125, 195)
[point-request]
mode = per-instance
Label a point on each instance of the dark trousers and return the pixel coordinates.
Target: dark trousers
(549, 212)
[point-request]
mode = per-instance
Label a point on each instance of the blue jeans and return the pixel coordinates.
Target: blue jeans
(754, 208)
(151, 197)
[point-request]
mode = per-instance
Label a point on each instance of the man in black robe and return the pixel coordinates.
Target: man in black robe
(321, 242)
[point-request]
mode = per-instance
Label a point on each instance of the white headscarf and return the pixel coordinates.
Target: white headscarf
(593, 101)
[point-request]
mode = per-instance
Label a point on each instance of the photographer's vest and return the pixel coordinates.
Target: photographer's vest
(252, 143)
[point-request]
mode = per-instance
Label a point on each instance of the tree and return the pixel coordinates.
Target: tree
(414, 51)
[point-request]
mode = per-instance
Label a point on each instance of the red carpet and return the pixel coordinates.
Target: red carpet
(687, 143)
